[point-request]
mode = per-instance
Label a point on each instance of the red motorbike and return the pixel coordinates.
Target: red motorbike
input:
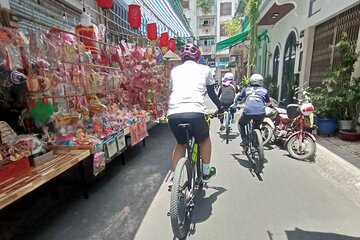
(291, 128)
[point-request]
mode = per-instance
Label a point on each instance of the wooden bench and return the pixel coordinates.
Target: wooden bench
(13, 189)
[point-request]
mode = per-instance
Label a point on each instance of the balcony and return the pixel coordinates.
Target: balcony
(207, 50)
(209, 12)
(206, 31)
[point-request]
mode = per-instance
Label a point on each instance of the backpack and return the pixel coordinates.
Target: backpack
(228, 93)
(252, 96)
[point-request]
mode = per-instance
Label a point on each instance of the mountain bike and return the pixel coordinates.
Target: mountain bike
(187, 182)
(227, 119)
(255, 148)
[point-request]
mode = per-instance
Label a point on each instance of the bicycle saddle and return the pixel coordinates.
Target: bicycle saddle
(185, 125)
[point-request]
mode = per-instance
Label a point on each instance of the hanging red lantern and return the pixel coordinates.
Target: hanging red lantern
(164, 39)
(152, 31)
(105, 3)
(172, 44)
(134, 15)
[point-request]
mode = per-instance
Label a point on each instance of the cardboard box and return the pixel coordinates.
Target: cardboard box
(36, 161)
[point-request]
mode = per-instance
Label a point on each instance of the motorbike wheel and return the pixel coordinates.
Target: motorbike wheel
(266, 132)
(308, 147)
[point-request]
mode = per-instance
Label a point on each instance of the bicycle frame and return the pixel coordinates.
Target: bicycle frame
(248, 130)
(193, 150)
(255, 153)
(183, 192)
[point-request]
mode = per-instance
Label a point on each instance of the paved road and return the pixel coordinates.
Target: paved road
(294, 200)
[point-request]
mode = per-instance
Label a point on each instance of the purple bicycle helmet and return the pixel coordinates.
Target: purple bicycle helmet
(190, 50)
(228, 79)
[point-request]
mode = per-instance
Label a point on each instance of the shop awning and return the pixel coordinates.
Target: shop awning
(245, 28)
(168, 13)
(231, 41)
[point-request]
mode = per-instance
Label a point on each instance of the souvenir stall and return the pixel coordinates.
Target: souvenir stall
(83, 94)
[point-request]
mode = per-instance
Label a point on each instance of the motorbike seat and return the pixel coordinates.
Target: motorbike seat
(293, 110)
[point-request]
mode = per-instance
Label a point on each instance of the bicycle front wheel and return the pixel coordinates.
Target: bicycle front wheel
(258, 150)
(180, 198)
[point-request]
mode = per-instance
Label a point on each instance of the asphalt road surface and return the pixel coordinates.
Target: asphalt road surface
(292, 200)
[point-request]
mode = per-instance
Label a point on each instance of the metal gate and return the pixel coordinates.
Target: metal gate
(327, 34)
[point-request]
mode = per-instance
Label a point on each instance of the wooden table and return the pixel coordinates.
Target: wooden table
(13, 189)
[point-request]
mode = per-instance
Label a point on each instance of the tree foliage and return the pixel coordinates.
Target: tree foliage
(252, 10)
(232, 26)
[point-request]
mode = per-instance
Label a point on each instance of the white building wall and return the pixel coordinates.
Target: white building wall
(191, 14)
(319, 12)
(220, 19)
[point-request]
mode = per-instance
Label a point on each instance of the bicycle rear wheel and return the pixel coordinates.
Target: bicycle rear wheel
(257, 153)
(227, 126)
(180, 196)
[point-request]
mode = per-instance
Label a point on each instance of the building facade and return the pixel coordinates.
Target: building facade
(296, 50)
(208, 28)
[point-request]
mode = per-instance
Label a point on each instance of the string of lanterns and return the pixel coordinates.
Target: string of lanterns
(134, 18)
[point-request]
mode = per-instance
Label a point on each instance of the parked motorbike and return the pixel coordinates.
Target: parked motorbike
(272, 119)
(289, 127)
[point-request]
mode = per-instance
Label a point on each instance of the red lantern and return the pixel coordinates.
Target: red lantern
(152, 31)
(172, 44)
(105, 3)
(134, 15)
(164, 39)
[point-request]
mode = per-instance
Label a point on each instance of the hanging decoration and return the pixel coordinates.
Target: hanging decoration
(164, 50)
(105, 3)
(134, 15)
(152, 33)
(172, 44)
(164, 39)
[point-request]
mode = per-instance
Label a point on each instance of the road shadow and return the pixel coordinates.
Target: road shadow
(203, 206)
(298, 234)
(232, 135)
(308, 160)
(246, 163)
(270, 146)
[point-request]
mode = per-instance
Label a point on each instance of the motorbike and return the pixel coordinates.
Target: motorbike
(289, 126)
(272, 119)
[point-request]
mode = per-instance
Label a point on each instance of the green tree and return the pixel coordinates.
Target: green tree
(205, 4)
(252, 10)
(232, 26)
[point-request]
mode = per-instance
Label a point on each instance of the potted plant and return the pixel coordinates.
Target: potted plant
(340, 82)
(325, 120)
(352, 103)
(338, 95)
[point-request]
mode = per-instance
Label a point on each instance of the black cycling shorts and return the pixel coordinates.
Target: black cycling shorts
(199, 127)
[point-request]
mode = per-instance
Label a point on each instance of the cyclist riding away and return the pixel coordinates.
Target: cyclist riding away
(227, 94)
(255, 99)
(189, 83)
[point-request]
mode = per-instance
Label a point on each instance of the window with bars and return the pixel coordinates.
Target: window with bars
(222, 30)
(225, 9)
(206, 42)
(206, 22)
(185, 4)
